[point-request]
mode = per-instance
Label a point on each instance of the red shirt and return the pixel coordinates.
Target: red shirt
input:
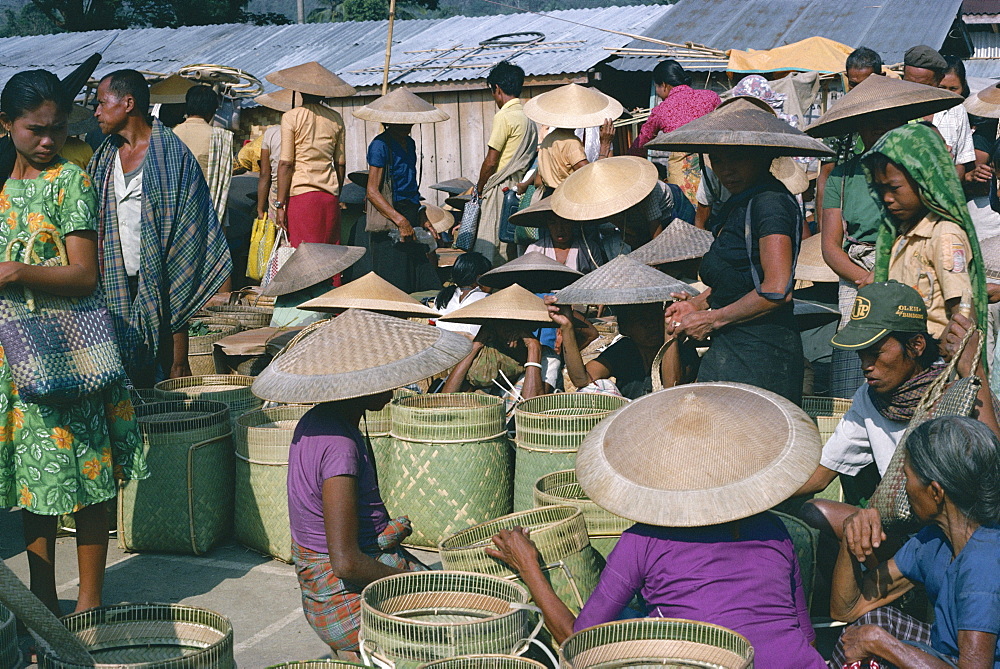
(683, 105)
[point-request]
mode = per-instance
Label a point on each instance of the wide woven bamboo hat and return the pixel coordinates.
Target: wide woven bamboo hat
(985, 103)
(572, 106)
(878, 94)
(312, 79)
(810, 265)
(623, 281)
(359, 353)
(698, 454)
(740, 123)
(680, 241)
(990, 251)
(171, 91)
(604, 188)
(458, 201)
(280, 100)
(536, 215)
(535, 271)
(440, 220)
(310, 264)
(513, 303)
(402, 107)
(454, 186)
(372, 293)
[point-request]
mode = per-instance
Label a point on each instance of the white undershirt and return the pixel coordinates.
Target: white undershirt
(128, 200)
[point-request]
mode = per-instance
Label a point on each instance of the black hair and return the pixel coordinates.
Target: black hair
(671, 73)
(930, 355)
(466, 271)
(201, 100)
(506, 75)
(27, 91)
(877, 162)
(864, 58)
(963, 456)
(956, 65)
(130, 82)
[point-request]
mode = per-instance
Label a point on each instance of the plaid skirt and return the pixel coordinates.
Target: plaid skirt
(333, 606)
(902, 626)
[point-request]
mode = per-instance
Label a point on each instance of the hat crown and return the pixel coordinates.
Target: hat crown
(370, 292)
(622, 280)
(400, 106)
(513, 303)
(573, 97)
(313, 79)
(679, 241)
(891, 306)
(604, 188)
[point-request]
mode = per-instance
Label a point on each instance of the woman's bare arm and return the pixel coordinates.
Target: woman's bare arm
(77, 279)
(340, 519)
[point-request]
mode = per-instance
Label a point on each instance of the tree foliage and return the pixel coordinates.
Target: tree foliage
(332, 11)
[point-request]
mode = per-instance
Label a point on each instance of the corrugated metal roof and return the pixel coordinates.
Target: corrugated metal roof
(985, 61)
(888, 26)
(981, 7)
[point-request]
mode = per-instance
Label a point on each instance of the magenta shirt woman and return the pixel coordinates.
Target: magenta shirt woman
(680, 104)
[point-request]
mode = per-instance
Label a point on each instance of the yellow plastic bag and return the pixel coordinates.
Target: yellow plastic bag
(261, 243)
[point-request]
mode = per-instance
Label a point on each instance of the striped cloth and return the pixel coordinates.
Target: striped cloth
(905, 628)
(184, 257)
(220, 169)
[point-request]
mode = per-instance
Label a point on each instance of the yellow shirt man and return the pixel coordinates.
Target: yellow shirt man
(509, 126)
(196, 134)
(558, 155)
(313, 136)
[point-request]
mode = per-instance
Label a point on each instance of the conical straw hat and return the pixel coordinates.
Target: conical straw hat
(458, 201)
(440, 220)
(280, 100)
(373, 293)
(535, 271)
(680, 241)
(985, 103)
(359, 353)
(572, 106)
(990, 250)
(623, 281)
(877, 94)
(513, 303)
(171, 91)
(455, 186)
(740, 123)
(312, 79)
(788, 172)
(810, 265)
(402, 107)
(604, 188)
(310, 264)
(537, 215)
(698, 454)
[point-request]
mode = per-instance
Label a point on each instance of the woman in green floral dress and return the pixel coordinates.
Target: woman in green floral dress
(57, 459)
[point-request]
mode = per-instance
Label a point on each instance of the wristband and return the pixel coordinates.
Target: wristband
(533, 364)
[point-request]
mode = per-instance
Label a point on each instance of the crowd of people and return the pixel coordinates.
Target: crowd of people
(693, 260)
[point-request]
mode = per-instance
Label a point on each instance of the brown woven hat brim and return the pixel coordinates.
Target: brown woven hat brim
(985, 103)
(310, 264)
(359, 353)
(535, 271)
(312, 79)
(171, 91)
(990, 251)
(280, 100)
(904, 99)
(400, 107)
(536, 215)
(440, 220)
(698, 454)
(458, 201)
(454, 186)
(572, 106)
(623, 280)
(679, 241)
(604, 188)
(810, 265)
(371, 293)
(514, 303)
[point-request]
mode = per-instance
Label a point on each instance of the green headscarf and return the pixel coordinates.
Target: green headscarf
(920, 151)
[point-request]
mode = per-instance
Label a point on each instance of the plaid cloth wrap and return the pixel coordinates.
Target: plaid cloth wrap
(184, 255)
(905, 628)
(332, 605)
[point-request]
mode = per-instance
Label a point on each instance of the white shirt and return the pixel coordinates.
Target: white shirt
(456, 303)
(953, 124)
(128, 201)
(985, 220)
(863, 435)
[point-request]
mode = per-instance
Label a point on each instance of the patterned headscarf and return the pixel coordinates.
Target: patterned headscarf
(756, 86)
(922, 153)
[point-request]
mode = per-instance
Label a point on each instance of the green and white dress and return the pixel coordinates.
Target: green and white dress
(59, 459)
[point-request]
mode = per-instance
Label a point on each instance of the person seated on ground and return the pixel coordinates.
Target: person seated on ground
(566, 241)
(699, 550)
(464, 289)
(952, 482)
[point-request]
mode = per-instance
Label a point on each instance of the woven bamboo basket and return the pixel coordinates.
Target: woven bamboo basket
(656, 642)
(10, 653)
(249, 317)
(484, 662)
(142, 396)
(186, 504)
(550, 428)
(603, 527)
(570, 563)
(826, 411)
(233, 390)
(419, 617)
(200, 357)
(316, 664)
(150, 636)
(261, 513)
(450, 465)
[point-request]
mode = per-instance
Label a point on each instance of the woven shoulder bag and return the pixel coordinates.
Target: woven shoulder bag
(59, 349)
(468, 230)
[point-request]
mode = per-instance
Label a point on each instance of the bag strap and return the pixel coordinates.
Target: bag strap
(937, 387)
(796, 241)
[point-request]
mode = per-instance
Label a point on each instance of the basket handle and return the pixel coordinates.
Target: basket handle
(28, 254)
(190, 484)
(371, 658)
(569, 577)
(532, 638)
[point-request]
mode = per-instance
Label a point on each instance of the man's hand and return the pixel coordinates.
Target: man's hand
(515, 549)
(952, 338)
(281, 218)
(180, 368)
(863, 533)
(406, 231)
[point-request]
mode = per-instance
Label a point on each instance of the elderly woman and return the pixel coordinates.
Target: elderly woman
(953, 482)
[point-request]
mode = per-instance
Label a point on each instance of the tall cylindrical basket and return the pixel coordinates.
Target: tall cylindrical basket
(603, 527)
(233, 390)
(200, 357)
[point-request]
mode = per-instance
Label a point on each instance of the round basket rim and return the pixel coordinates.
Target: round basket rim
(519, 409)
(243, 419)
(570, 518)
(647, 622)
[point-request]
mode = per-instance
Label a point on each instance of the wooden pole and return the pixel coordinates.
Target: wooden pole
(388, 47)
(300, 10)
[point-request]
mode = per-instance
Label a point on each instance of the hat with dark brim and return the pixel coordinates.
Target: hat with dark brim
(171, 91)
(623, 281)
(536, 215)
(358, 353)
(372, 293)
(454, 186)
(878, 310)
(535, 271)
(604, 188)
(310, 264)
(280, 100)
(990, 251)
(400, 107)
(312, 79)
(458, 201)
(810, 265)
(572, 106)
(352, 193)
(740, 124)
(985, 103)
(679, 241)
(698, 454)
(877, 94)
(514, 303)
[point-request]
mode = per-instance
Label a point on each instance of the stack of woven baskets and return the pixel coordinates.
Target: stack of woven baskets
(232, 390)
(201, 347)
(603, 527)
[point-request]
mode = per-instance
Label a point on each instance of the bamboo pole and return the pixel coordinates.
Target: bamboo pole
(388, 47)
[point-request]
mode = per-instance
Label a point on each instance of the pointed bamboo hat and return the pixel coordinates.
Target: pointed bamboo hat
(881, 94)
(623, 281)
(310, 264)
(740, 124)
(312, 79)
(572, 106)
(440, 220)
(535, 271)
(513, 303)
(537, 215)
(680, 241)
(373, 293)
(171, 91)
(698, 454)
(604, 188)
(280, 100)
(985, 103)
(990, 250)
(454, 186)
(359, 353)
(810, 265)
(402, 107)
